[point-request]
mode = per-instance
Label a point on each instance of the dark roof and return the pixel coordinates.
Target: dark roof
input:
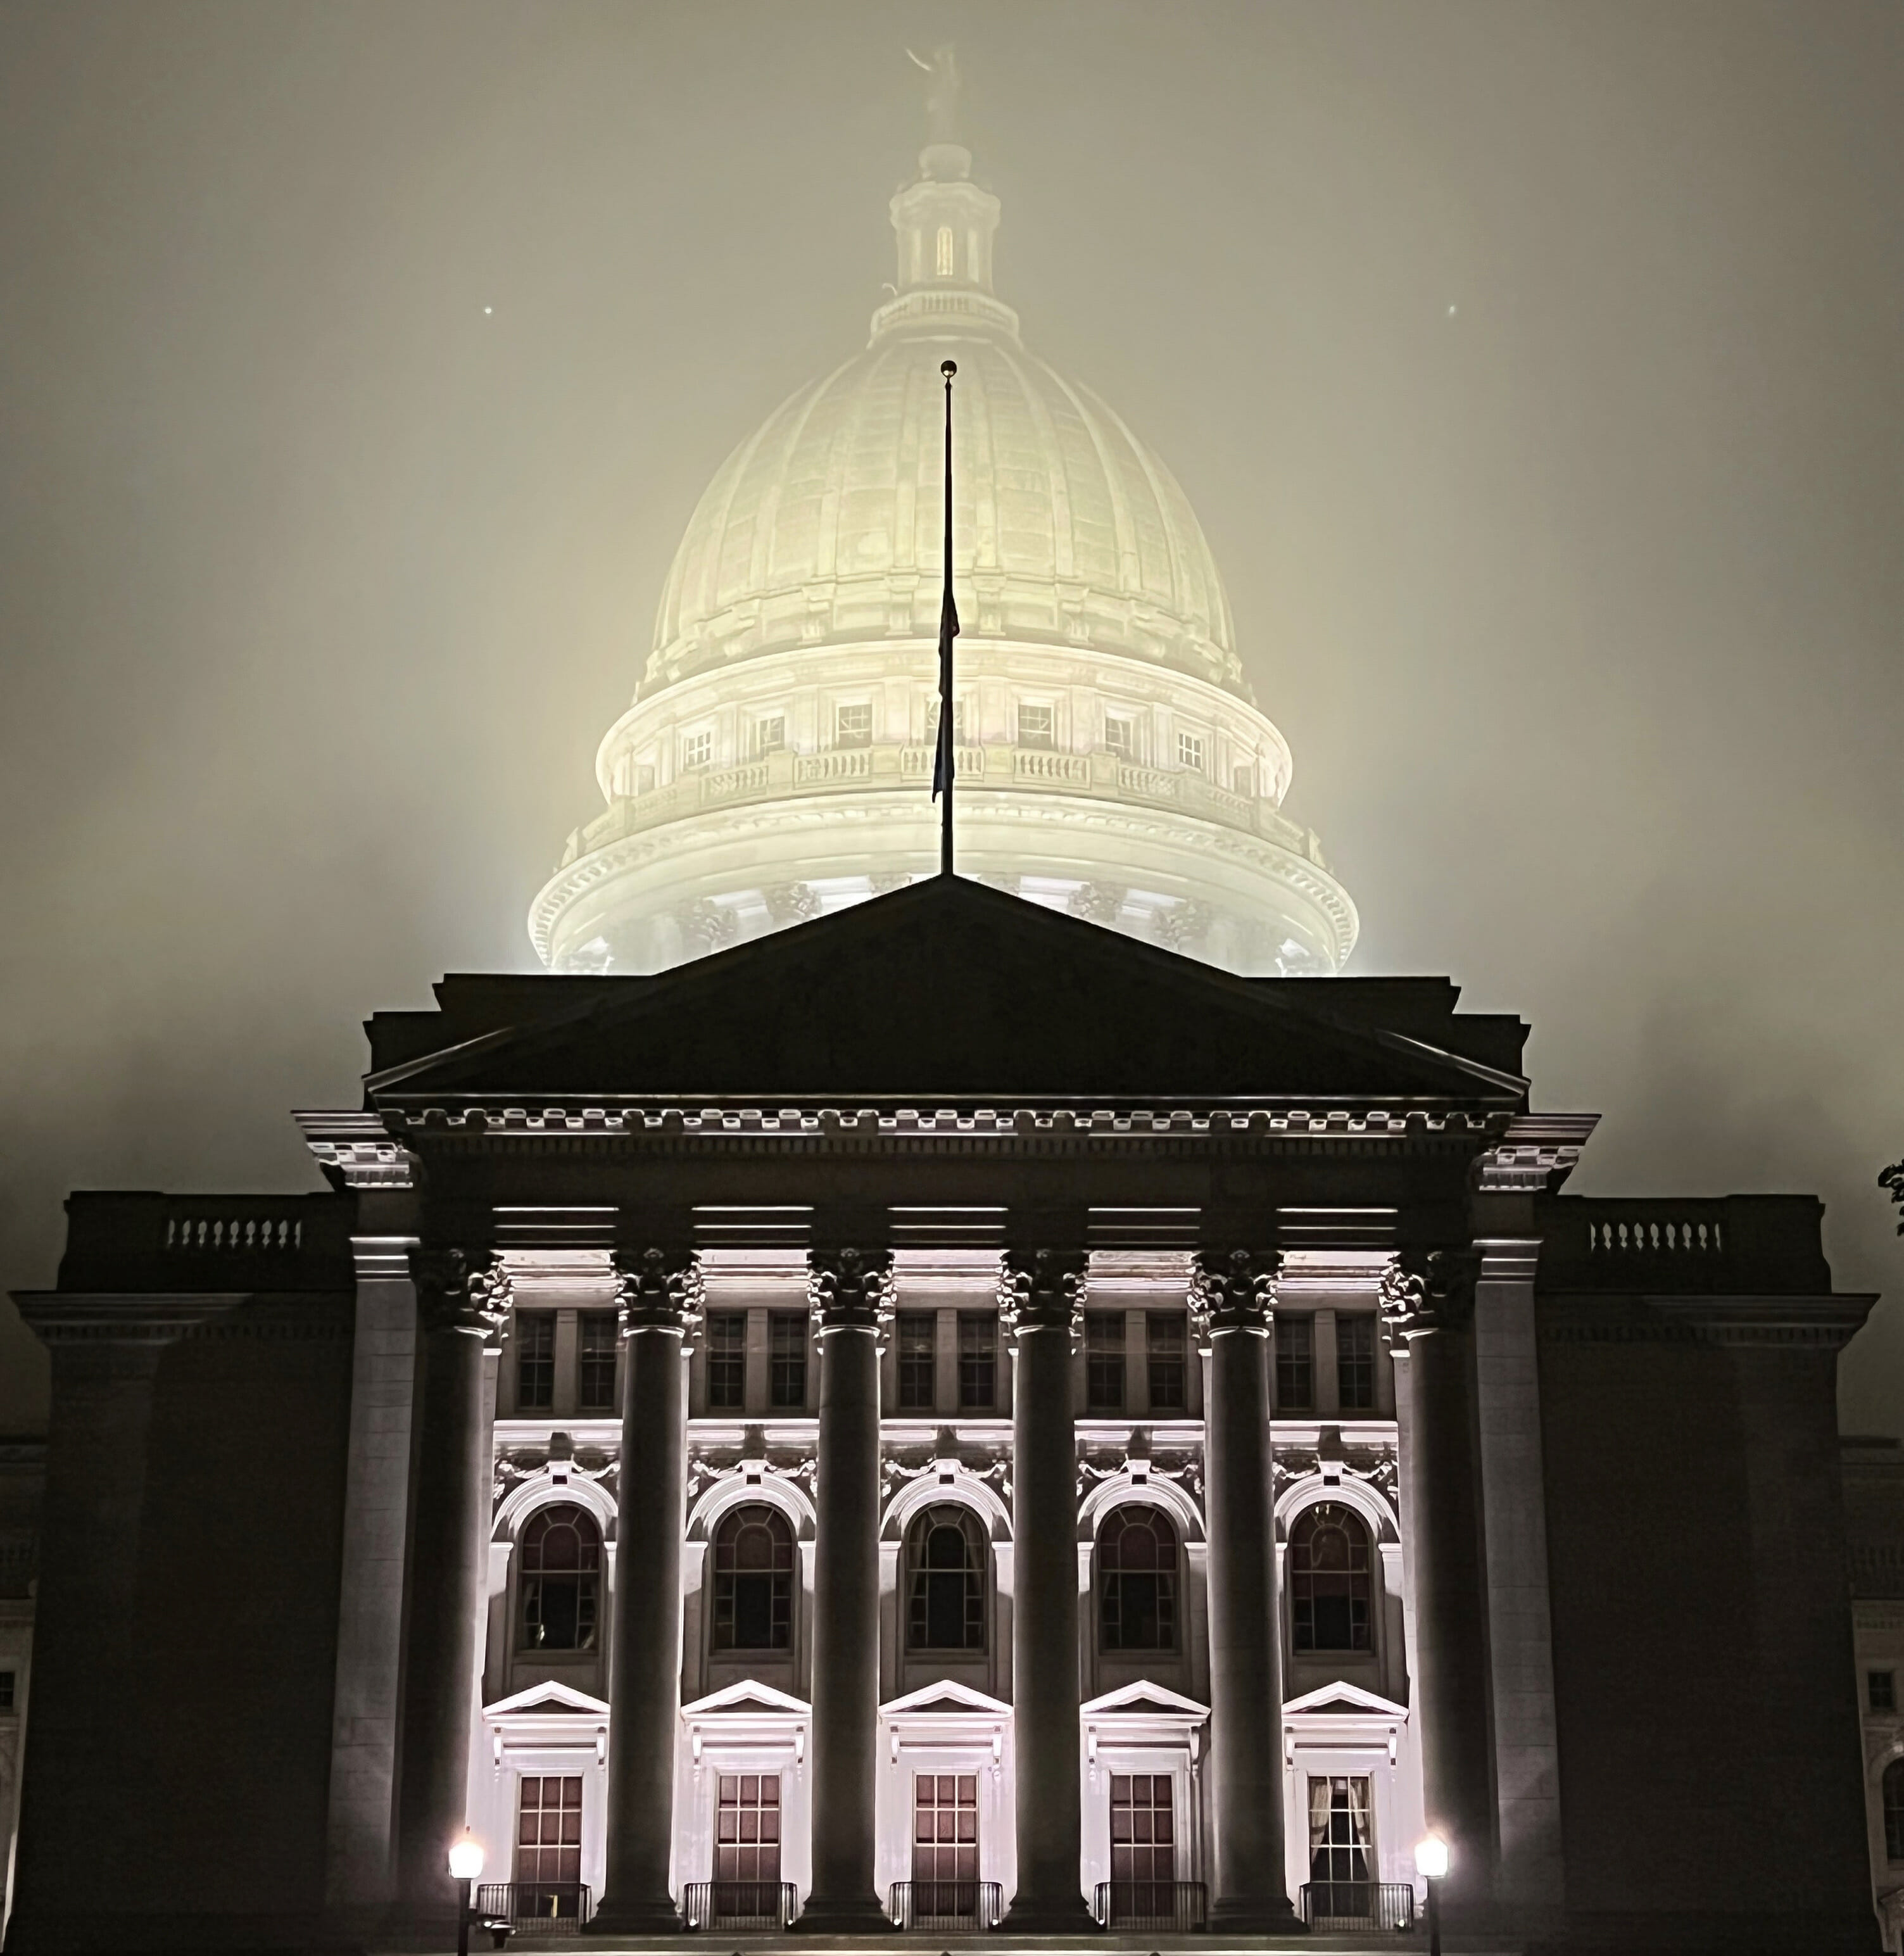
(949, 989)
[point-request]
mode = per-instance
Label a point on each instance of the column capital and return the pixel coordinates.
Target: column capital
(1040, 1289)
(657, 1289)
(849, 1289)
(1234, 1290)
(461, 1290)
(1428, 1290)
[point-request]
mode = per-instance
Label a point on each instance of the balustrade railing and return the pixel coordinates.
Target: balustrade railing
(533, 1908)
(948, 1905)
(739, 1904)
(1349, 1906)
(1176, 1908)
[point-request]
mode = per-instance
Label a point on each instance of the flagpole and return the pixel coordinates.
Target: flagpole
(948, 631)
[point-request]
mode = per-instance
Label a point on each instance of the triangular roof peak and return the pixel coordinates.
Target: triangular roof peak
(1341, 1696)
(951, 988)
(745, 1694)
(1143, 1696)
(548, 1696)
(945, 1695)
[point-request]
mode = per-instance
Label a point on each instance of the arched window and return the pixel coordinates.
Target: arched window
(561, 1579)
(1894, 1811)
(1329, 1586)
(1137, 1581)
(753, 1586)
(943, 253)
(945, 1553)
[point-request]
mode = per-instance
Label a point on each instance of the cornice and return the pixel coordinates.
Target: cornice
(1536, 1154)
(118, 1317)
(359, 1147)
(1826, 1322)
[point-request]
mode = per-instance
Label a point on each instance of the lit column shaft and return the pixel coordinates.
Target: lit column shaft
(1431, 1307)
(1041, 1296)
(461, 1299)
(849, 1292)
(1233, 1295)
(659, 1294)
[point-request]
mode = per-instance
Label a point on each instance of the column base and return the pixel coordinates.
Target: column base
(1050, 1915)
(1256, 1915)
(639, 1918)
(842, 1915)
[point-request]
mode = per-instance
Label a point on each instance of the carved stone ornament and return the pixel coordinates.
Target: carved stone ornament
(658, 1290)
(849, 1289)
(1233, 1291)
(1040, 1289)
(461, 1290)
(1431, 1291)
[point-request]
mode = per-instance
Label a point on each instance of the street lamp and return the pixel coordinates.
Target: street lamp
(1431, 1863)
(466, 1867)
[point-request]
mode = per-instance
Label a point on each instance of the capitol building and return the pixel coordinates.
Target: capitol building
(1112, 761)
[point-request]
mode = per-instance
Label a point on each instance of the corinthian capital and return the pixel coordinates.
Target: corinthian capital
(1234, 1290)
(1430, 1290)
(460, 1290)
(849, 1289)
(658, 1290)
(1042, 1289)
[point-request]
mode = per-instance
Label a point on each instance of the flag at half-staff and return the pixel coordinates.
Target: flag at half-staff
(948, 630)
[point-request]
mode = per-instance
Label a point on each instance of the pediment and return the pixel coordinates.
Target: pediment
(1341, 1699)
(546, 1698)
(945, 1697)
(1144, 1697)
(946, 988)
(747, 1698)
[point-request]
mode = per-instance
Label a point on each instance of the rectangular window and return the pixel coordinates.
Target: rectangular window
(6, 1691)
(599, 1334)
(1121, 736)
(727, 1360)
(1880, 1690)
(747, 1831)
(1143, 1843)
(1164, 1354)
(1355, 1363)
(644, 778)
(787, 1383)
(1295, 1363)
(958, 720)
(535, 1360)
(767, 736)
(1037, 725)
(1104, 1361)
(918, 1340)
(696, 750)
(1243, 781)
(853, 725)
(548, 1829)
(945, 1837)
(978, 1362)
(1189, 751)
(1342, 1847)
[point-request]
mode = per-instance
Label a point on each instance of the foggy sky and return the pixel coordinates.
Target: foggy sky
(1535, 370)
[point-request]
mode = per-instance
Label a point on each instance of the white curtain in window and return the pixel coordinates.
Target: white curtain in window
(1318, 1813)
(1358, 1801)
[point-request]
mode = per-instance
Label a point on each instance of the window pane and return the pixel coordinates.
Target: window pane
(1355, 1362)
(787, 1382)
(918, 1337)
(978, 1361)
(1104, 1361)
(1295, 1363)
(1166, 1349)
(534, 1360)
(853, 726)
(599, 1334)
(726, 1360)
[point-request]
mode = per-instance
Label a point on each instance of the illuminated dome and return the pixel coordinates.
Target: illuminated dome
(777, 761)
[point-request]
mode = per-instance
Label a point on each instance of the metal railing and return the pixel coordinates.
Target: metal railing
(537, 1908)
(738, 1904)
(1179, 1907)
(946, 1905)
(1351, 1905)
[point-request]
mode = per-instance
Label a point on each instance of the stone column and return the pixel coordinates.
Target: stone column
(1428, 1303)
(1234, 1294)
(660, 1295)
(851, 1291)
(83, 1767)
(1041, 1299)
(462, 1299)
